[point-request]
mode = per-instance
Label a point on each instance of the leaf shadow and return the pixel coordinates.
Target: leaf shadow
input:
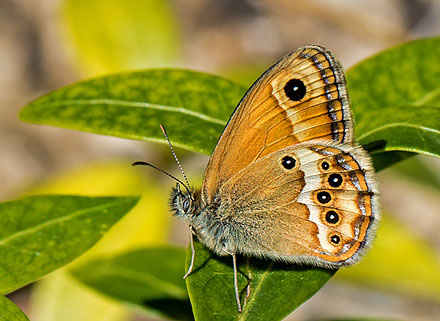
(173, 308)
(375, 146)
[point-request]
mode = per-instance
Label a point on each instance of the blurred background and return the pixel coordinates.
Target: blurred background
(46, 44)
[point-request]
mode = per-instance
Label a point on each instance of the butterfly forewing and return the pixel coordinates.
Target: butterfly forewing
(301, 98)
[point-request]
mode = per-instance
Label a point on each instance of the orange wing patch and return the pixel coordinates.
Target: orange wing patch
(301, 98)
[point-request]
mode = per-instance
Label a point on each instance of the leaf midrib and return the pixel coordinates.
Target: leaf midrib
(54, 221)
(243, 315)
(371, 132)
(116, 102)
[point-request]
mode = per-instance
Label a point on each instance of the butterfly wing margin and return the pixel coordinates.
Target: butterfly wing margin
(267, 120)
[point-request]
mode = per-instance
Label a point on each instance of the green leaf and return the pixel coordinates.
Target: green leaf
(39, 234)
(9, 311)
(395, 99)
(59, 296)
(276, 289)
(193, 106)
(384, 160)
(121, 34)
(150, 278)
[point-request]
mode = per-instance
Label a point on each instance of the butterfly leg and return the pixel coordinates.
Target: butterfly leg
(237, 294)
(248, 285)
(193, 252)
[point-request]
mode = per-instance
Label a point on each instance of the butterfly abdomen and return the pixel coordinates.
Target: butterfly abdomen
(214, 227)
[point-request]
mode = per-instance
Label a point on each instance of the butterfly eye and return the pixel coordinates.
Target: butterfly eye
(335, 239)
(335, 180)
(325, 166)
(288, 162)
(186, 205)
(295, 89)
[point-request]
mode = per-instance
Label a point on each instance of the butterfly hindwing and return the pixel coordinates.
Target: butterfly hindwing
(319, 211)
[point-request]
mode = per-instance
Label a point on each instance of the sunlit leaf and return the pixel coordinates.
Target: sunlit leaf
(395, 98)
(193, 106)
(41, 233)
(120, 35)
(399, 115)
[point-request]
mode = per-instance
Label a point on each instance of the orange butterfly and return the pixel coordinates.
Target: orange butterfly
(286, 180)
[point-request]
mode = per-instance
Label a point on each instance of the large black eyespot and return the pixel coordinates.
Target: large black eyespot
(325, 166)
(324, 197)
(288, 162)
(186, 204)
(295, 89)
(335, 239)
(332, 217)
(335, 180)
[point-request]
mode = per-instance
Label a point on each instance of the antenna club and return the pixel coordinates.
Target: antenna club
(163, 130)
(187, 187)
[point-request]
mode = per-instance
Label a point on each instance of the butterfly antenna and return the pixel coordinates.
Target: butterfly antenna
(160, 170)
(175, 156)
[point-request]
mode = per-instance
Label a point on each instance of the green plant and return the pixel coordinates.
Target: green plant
(395, 101)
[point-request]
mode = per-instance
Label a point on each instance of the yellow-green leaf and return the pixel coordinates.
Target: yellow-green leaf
(118, 35)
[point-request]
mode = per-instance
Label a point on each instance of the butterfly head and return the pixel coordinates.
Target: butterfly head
(183, 202)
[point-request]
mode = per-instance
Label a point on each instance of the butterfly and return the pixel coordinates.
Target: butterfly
(286, 181)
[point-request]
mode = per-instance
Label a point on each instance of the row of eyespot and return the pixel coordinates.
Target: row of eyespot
(335, 180)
